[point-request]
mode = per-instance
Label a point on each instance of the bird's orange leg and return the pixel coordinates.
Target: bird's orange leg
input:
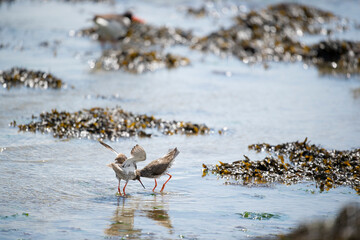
(119, 187)
(165, 182)
(155, 185)
(124, 188)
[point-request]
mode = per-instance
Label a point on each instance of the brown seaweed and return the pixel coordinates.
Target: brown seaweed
(336, 57)
(267, 35)
(107, 123)
(142, 35)
(31, 79)
(134, 61)
(272, 35)
(295, 162)
(197, 12)
(345, 226)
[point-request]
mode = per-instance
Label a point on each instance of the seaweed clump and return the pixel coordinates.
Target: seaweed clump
(306, 163)
(197, 12)
(138, 62)
(31, 79)
(271, 35)
(145, 35)
(107, 123)
(345, 226)
(135, 50)
(336, 57)
(267, 35)
(258, 216)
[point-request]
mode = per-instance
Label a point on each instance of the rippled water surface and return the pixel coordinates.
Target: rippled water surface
(62, 189)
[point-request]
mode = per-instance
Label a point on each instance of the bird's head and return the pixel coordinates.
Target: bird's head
(128, 14)
(133, 18)
(120, 158)
(137, 177)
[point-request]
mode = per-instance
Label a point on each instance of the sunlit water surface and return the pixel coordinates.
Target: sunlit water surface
(62, 189)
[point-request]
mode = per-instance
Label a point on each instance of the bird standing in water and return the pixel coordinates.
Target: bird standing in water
(159, 167)
(125, 168)
(113, 27)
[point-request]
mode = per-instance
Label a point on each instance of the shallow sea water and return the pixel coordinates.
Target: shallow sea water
(62, 189)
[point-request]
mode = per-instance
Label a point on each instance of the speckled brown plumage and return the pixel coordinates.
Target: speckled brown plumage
(159, 167)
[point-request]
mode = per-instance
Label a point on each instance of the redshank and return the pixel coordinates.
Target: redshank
(159, 167)
(112, 27)
(125, 168)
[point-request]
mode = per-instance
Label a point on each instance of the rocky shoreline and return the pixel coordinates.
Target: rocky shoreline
(294, 162)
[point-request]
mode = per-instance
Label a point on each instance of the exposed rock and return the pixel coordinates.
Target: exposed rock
(295, 162)
(110, 123)
(32, 79)
(138, 62)
(346, 226)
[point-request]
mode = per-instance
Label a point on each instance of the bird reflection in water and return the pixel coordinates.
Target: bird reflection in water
(156, 211)
(122, 222)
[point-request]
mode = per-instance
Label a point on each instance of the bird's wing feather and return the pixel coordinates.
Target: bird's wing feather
(118, 170)
(101, 21)
(120, 158)
(153, 169)
(160, 165)
(138, 153)
(108, 147)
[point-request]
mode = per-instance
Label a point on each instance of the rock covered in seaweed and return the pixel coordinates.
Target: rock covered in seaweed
(336, 56)
(135, 51)
(266, 35)
(296, 17)
(197, 12)
(147, 35)
(271, 35)
(260, 36)
(31, 79)
(110, 123)
(346, 226)
(267, 170)
(305, 163)
(135, 61)
(143, 35)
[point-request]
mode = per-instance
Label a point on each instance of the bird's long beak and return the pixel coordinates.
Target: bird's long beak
(141, 183)
(136, 19)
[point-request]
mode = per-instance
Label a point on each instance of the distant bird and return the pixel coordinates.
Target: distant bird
(125, 168)
(113, 27)
(159, 167)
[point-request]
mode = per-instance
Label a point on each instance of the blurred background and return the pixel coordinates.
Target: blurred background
(254, 71)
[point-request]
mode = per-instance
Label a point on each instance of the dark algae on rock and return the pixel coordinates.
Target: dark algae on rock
(268, 34)
(258, 216)
(293, 162)
(134, 61)
(336, 57)
(31, 79)
(346, 226)
(136, 53)
(107, 123)
(271, 35)
(197, 12)
(146, 35)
